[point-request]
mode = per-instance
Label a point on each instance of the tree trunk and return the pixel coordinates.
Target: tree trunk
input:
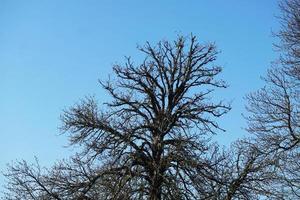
(155, 192)
(156, 174)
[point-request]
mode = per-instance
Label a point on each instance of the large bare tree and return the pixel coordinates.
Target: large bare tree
(151, 141)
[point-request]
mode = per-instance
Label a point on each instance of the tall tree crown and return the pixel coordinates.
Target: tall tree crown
(148, 125)
(150, 141)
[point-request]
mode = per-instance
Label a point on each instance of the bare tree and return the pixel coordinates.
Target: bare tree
(150, 142)
(274, 119)
(275, 109)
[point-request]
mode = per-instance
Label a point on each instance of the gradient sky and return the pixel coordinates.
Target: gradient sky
(52, 53)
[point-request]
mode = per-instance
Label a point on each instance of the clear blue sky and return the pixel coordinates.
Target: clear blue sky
(52, 53)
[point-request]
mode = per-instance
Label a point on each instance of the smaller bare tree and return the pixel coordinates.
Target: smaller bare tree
(274, 119)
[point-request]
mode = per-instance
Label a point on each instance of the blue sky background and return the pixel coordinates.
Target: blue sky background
(52, 53)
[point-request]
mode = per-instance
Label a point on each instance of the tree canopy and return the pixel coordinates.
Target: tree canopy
(153, 139)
